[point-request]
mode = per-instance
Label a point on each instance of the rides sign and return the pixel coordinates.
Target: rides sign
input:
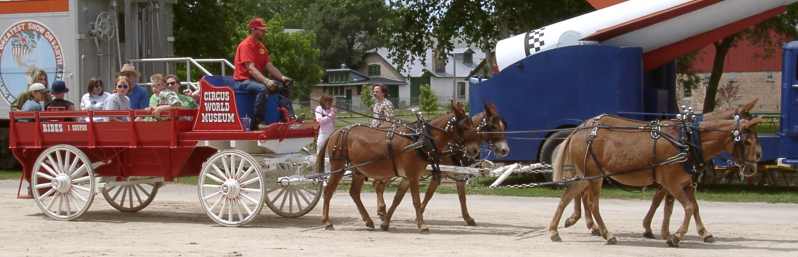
(24, 47)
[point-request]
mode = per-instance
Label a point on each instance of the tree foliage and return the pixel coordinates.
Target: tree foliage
(427, 99)
(768, 34)
(365, 96)
(423, 24)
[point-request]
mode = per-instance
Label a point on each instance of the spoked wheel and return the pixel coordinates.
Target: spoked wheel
(290, 194)
(132, 197)
(63, 182)
(231, 188)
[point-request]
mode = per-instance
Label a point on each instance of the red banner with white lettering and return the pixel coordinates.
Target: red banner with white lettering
(217, 109)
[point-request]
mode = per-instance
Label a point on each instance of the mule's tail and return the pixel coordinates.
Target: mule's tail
(559, 159)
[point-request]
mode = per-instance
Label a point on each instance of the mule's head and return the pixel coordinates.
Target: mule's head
(745, 147)
(463, 131)
(490, 126)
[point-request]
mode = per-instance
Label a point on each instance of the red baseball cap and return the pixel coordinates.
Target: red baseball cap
(257, 23)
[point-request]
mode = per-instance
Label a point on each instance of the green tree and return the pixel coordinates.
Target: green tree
(365, 97)
(423, 24)
(346, 29)
(427, 100)
(294, 54)
(765, 34)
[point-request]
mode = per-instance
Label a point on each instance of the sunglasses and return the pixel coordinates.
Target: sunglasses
(171, 83)
(121, 86)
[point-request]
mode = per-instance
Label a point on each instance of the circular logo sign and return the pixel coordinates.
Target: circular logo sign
(24, 47)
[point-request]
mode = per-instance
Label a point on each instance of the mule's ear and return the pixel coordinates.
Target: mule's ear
(746, 108)
(752, 123)
(490, 109)
(458, 109)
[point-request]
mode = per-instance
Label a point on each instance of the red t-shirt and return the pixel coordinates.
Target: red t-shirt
(250, 50)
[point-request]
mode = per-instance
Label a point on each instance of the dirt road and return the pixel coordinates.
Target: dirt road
(174, 225)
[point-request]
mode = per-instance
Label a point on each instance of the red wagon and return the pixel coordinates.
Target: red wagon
(67, 157)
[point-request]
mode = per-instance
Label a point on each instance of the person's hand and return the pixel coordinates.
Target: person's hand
(270, 85)
(287, 81)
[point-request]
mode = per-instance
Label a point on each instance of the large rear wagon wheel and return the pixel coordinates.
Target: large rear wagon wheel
(131, 197)
(63, 182)
(231, 188)
(291, 194)
(547, 150)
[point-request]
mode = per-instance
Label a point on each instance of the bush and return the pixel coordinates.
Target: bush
(427, 100)
(365, 96)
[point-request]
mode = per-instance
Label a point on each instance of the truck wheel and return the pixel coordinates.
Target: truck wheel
(551, 143)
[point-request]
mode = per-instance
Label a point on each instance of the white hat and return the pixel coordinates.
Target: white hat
(37, 87)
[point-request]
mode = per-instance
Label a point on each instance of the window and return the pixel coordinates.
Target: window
(374, 69)
(461, 90)
(468, 58)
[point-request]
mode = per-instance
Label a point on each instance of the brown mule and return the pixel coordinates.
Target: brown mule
(487, 122)
(622, 149)
(375, 153)
(661, 194)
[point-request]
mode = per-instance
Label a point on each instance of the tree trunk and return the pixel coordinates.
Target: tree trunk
(721, 49)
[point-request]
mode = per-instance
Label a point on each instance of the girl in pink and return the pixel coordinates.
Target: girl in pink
(325, 116)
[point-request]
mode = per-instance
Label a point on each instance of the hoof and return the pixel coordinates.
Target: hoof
(709, 239)
(649, 235)
(612, 241)
(370, 225)
(385, 227)
(423, 229)
(673, 242)
(329, 227)
(470, 222)
(570, 222)
(555, 238)
(595, 232)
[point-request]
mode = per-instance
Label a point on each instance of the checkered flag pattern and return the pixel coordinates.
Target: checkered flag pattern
(535, 40)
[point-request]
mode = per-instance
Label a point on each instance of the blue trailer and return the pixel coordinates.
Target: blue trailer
(562, 87)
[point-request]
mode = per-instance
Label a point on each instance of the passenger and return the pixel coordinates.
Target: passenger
(95, 98)
(38, 93)
(59, 89)
(165, 100)
(187, 101)
(325, 116)
(383, 108)
(139, 96)
(119, 99)
(35, 76)
(158, 87)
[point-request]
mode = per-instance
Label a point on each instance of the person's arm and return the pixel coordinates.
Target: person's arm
(274, 72)
(257, 75)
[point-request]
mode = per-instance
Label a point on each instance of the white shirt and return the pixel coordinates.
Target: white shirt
(93, 102)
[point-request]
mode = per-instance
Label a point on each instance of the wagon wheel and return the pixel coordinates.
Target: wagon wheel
(231, 188)
(290, 195)
(130, 198)
(63, 182)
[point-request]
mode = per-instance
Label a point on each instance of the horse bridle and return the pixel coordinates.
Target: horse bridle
(738, 136)
(484, 126)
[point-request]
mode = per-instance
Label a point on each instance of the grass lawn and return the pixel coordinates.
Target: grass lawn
(718, 193)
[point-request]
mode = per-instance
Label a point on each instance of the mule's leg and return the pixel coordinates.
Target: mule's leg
(332, 184)
(461, 193)
(595, 193)
(655, 202)
(586, 202)
(397, 199)
(414, 192)
(678, 192)
(702, 230)
(433, 185)
(354, 192)
(665, 230)
(572, 191)
(577, 214)
(379, 188)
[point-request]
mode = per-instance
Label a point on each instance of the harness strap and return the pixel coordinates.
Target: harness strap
(389, 144)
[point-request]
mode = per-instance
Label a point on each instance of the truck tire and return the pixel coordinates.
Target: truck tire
(550, 144)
